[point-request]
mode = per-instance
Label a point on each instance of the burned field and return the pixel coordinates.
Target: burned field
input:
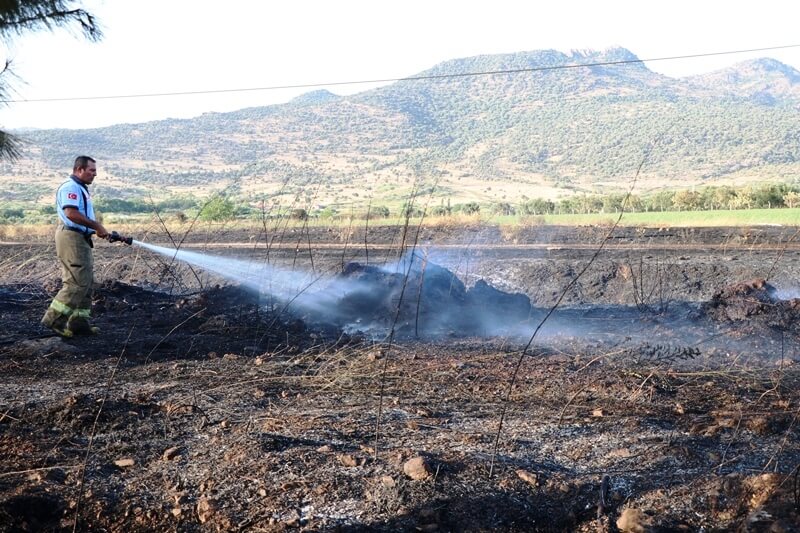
(404, 394)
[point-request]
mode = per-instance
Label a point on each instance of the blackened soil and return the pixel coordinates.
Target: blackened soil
(669, 369)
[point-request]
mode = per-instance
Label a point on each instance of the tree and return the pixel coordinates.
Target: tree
(18, 17)
(471, 208)
(219, 207)
(538, 206)
(660, 201)
(503, 208)
(299, 214)
(791, 199)
(379, 211)
(686, 200)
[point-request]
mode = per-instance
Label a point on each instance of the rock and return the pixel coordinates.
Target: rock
(620, 452)
(55, 475)
(47, 346)
(206, 508)
(171, 453)
(761, 488)
(634, 521)
(125, 463)
(324, 449)
(417, 468)
(528, 477)
(348, 460)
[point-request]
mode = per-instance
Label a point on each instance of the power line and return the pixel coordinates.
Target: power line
(388, 80)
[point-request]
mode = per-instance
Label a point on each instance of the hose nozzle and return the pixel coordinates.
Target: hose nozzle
(116, 237)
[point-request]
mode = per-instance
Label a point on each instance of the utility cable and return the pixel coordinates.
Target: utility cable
(389, 80)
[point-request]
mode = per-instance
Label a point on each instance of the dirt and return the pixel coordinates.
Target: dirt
(659, 394)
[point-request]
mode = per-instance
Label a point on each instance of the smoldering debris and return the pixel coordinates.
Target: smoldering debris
(754, 303)
(415, 298)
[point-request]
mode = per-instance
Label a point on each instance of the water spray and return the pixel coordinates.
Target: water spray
(258, 276)
(360, 298)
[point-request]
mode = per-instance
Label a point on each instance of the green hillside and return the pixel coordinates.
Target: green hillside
(497, 137)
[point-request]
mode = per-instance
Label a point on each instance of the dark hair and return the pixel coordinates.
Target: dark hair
(82, 161)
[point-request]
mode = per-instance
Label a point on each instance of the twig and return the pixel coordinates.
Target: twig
(783, 442)
(170, 333)
(169, 235)
(42, 469)
(409, 210)
(419, 294)
(602, 503)
(366, 232)
(5, 415)
(730, 442)
(572, 398)
(94, 429)
(555, 306)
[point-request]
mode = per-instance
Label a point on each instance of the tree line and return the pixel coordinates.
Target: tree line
(226, 206)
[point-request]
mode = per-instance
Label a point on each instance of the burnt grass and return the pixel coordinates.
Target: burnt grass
(661, 394)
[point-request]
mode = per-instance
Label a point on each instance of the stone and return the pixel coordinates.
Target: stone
(417, 468)
(171, 453)
(46, 347)
(528, 477)
(348, 460)
(206, 508)
(634, 521)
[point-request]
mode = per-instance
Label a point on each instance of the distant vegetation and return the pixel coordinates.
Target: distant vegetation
(222, 207)
(555, 141)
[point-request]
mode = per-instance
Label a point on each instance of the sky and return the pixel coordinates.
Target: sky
(162, 46)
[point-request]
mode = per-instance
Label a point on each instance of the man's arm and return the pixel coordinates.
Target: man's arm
(79, 218)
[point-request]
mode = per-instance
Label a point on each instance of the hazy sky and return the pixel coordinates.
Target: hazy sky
(156, 46)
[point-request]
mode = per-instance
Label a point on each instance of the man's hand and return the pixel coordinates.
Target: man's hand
(101, 231)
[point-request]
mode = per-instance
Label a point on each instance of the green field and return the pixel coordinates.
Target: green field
(748, 217)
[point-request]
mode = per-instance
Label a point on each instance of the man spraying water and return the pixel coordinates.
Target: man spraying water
(70, 310)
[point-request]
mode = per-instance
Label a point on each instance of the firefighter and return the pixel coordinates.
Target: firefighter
(69, 312)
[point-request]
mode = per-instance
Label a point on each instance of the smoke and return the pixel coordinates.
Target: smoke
(414, 296)
(787, 293)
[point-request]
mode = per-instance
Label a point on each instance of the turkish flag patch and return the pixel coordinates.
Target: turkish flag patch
(72, 196)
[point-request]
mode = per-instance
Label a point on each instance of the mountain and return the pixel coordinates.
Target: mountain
(483, 128)
(314, 98)
(764, 80)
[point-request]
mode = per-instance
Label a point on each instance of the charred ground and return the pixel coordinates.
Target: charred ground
(669, 371)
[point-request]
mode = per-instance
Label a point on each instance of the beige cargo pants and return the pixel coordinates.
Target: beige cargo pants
(70, 310)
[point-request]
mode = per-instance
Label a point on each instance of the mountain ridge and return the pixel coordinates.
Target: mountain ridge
(551, 129)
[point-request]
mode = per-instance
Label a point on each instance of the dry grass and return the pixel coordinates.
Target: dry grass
(26, 232)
